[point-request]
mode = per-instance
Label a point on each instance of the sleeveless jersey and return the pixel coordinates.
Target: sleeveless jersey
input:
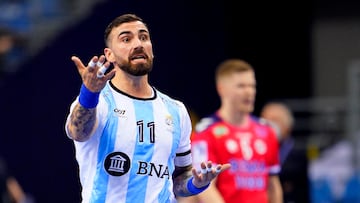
(252, 152)
(132, 154)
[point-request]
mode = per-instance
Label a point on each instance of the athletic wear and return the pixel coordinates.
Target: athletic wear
(132, 154)
(252, 152)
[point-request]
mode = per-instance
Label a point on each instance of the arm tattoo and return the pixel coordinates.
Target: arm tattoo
(82, 122)
(180, 181)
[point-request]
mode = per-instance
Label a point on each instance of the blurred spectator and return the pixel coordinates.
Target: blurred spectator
(294, 163)
(10, 189)
(334, 176)
(12, 50)
(6, 44)
(280, 116)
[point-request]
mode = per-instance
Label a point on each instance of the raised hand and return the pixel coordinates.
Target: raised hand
(93, 75)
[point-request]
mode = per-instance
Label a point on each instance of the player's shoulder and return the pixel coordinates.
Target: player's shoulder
(266, 124)
(168, 99)
(206, 123)
(261, 121)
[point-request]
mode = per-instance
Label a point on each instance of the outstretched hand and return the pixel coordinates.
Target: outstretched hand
(93, 75)
(208, 173)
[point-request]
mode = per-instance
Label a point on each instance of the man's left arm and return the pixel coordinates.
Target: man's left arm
(181, 177)
(188, 182)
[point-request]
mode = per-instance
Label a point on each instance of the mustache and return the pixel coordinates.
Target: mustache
(139, 52)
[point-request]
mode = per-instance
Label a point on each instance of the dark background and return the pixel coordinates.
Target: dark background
(190, 38)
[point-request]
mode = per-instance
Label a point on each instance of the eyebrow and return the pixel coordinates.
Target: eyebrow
(128, 32)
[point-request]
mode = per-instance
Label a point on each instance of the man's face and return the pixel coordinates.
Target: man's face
(278, 115)
(239, 90)
(130, 48)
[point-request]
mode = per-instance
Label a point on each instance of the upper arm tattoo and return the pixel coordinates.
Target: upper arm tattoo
(82, 122)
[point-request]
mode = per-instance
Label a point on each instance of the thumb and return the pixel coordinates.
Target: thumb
(77, 63)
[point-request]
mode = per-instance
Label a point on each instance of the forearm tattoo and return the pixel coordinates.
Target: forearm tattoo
(180, 184)
(82, 122)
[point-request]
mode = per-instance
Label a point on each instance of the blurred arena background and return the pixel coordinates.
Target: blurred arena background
(305, 53)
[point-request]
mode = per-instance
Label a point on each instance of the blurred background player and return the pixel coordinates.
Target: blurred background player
(293, 176)
(232, 135)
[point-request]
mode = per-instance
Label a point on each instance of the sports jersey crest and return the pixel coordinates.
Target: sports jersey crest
(169, 120)
(220, 131)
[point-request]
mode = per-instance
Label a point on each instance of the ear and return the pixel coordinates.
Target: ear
(219, 88)
(109, 55)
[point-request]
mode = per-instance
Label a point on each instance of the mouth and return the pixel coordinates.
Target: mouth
(248, 101)
(138, 56)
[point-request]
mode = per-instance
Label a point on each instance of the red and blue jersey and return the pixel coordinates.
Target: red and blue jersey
(252, 152)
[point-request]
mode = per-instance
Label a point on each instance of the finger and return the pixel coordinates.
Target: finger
(194, 173)
(203, 168)
(77, 61)
(101, 72)
(110, 74)
(204, 171)
(99, 64)
(79, 65)
(218, 169)
(225, 167)
(209, 164)
(209, 169)
(91, 64)
(101, 61)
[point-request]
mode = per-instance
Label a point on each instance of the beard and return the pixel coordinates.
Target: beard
(138, 69)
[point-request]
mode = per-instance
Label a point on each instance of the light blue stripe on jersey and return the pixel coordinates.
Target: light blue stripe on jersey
(174, 111)
(143, 151)
(106, 146)
(164, 194)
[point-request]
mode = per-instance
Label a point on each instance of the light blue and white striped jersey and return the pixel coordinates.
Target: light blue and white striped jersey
(132, 154)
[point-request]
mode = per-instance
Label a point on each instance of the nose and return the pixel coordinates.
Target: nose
(137, 43)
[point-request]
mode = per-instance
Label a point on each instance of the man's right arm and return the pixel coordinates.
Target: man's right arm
(82, 123)
(82, 120)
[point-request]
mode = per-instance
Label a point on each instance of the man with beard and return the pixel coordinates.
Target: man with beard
(132, 141)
